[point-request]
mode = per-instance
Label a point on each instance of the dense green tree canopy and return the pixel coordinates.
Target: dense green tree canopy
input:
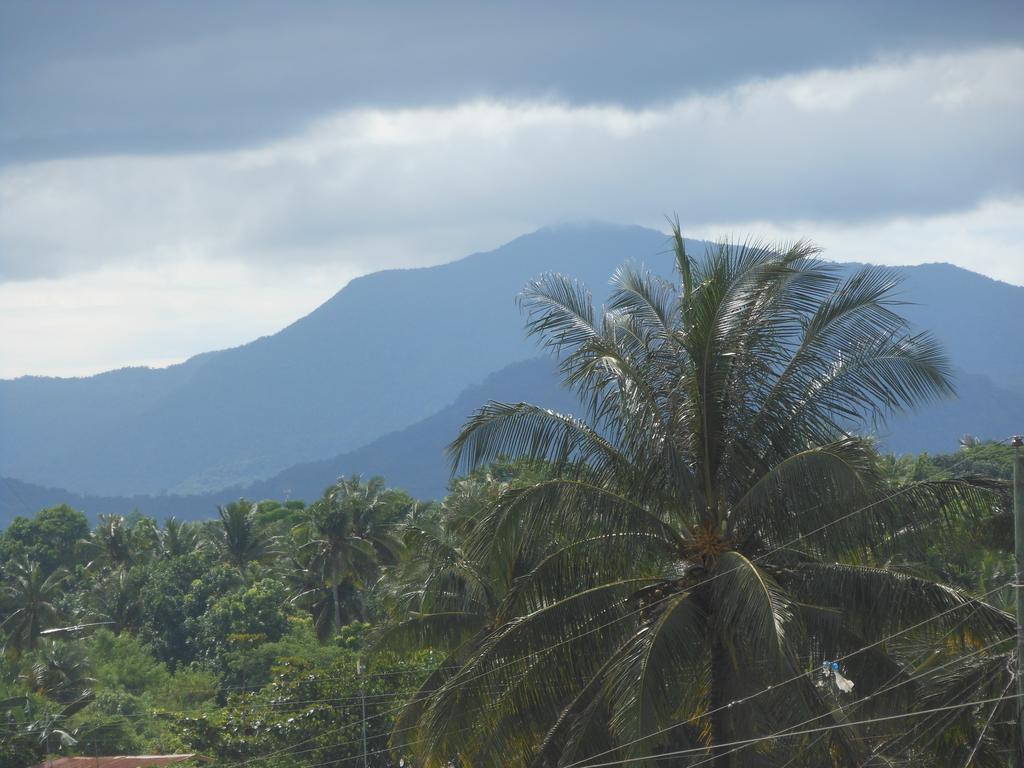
(52, 538)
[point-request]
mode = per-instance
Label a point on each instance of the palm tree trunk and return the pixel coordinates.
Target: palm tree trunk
(337, 605)
(721, 716)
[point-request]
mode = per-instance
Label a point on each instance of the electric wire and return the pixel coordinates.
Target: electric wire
(988, 721)
(895, 676)
(708, 580)
(804, 732)
(865, 699)
(585, 764)
(773, 686)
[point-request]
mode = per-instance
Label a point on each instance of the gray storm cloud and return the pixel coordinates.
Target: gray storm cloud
(162, 76)
(923, 135)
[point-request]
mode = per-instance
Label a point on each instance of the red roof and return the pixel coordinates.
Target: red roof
(115, 761)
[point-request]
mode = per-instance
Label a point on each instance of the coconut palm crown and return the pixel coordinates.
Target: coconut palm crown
(239, 538)
(32, 597)
(340, 548)
(714, 525)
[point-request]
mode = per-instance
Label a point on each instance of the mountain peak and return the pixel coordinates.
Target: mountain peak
(386, 351)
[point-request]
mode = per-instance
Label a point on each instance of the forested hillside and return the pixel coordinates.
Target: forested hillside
(415, 456)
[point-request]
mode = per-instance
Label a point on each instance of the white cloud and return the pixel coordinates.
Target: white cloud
(977, 78)
(894, 148)
(124, 315)
(985, 239)
(86, 323)
(921, 135)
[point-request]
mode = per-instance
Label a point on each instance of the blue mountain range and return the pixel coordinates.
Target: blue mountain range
(378, 379)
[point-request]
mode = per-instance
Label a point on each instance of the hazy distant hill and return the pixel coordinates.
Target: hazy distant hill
(388, 350)
(393, 349)
(980, 409)
(412, 458)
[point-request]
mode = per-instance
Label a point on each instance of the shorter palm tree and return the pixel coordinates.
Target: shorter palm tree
(119, 543)
(179, 538)
(117, 599)
(238, 537)
(32, 597)
(342, 544)
(61, 672)
(39, 730)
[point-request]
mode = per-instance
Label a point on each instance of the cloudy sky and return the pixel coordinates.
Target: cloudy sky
(182, 176)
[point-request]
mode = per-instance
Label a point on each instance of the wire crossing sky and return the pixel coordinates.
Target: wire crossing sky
(177, 178)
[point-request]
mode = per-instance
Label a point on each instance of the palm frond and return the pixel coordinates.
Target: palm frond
(528, 431)
(880, 601)
(752, 613)
(660, 675)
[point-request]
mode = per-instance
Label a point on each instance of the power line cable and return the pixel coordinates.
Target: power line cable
(710, 579)
(699, 584)
(874, 695)
(805, 732)
(988, 721)
(774, 686)
(895, 676)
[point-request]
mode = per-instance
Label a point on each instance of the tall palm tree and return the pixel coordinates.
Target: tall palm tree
(239, 539)
(32, 598)
(716, 529)
(346, 541)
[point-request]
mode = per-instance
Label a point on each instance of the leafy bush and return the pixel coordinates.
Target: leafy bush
(125, 663)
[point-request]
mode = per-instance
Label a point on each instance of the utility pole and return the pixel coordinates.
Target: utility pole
(1018, 541)
(361, 671)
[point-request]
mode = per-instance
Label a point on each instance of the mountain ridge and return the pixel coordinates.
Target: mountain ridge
(385, 352)
(361, 365)
(413, 458)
